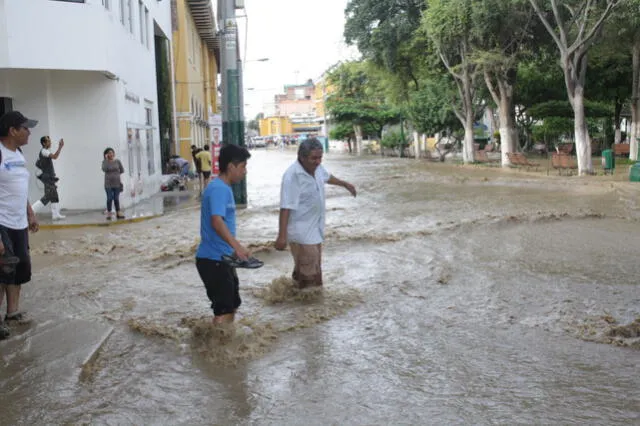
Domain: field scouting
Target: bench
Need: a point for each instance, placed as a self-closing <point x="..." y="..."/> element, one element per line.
<point x="621" y="149"/>
<point x="561" y="161"/>
<point x="517" y="159"/>
<point x="482" y="157"/>
<point x="565" y="148"/>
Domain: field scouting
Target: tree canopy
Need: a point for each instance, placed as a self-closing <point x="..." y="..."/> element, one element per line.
<point x="435" y="61"/>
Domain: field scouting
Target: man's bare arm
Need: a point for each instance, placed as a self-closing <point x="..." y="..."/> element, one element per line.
<point x="283" y="221"/>
<point x="221" y="229"/>
<point x="346" y="185"/>
<point x="57" y="153"/>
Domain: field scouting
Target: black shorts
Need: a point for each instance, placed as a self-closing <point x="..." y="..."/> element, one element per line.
<point x="50" y="193"/>
<point x="16" y="243"/>
<point x="221" y="282"/>
<point x="206" y="175"/>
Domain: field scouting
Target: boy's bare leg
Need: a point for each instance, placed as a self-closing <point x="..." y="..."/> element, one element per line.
<point x="13" y="298"/>
<point x="223" y="319"/>
<point x="3" y="289"/>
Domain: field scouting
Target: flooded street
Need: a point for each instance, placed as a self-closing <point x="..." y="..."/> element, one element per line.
<point x="453" y="295"/>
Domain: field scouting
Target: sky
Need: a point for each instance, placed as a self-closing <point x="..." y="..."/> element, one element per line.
<point x="301" y="38"/>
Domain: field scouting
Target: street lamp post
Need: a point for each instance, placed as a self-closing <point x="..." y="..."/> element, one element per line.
<point x="232" y="103"/>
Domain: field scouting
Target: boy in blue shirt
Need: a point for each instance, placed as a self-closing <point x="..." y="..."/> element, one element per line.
<point x="218" y="235"/>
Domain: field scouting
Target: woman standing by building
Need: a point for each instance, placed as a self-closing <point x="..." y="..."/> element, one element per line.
<point x="112" y="168"/>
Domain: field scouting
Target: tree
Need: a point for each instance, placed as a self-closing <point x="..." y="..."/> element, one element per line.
<point x="609" y="76"/>
<point x="628" y="35"/>
<point x="343" y="132"/>
<point x="357" y="100"/>
<point x="253" y="125"/>
<point x="382" y="31"/>
<point x="502" y="30"/>
<point x="574" y="30"/>
<point x="431" y="108"/>
<point x="448" y="24"/>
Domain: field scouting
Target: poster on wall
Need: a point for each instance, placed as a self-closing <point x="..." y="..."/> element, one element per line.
<point x="215" y="122"/>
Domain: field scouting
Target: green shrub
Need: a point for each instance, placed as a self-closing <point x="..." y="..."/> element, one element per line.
<point x="393" y="139"/>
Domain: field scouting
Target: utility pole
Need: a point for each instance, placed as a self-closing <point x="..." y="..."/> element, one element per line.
<point x="232" y="99"/>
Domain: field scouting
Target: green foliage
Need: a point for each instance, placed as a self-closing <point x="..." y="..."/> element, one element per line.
<point x="553" y="129"/>
<point x="431" y="109"/>
<point x="253" y="125"/>
<point x="563" y="109"/>
<point x="540" y="80"/>
<point x="382" y="30"/>
<point x="342" y="132"/>
<point x="393" y="139"/>
<point x="402" y="74"/>
<point x="357" y="100"/>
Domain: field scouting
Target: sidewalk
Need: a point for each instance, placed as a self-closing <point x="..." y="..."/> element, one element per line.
<point x="155" y="206"/>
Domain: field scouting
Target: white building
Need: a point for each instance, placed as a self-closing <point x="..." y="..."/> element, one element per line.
<point x="86" y="69"/>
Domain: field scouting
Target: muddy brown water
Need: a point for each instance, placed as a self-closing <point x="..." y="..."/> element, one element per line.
<point x="454" y="295"/>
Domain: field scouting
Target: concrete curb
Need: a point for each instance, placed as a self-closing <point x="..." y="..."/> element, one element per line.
<point x="106" y="223"/>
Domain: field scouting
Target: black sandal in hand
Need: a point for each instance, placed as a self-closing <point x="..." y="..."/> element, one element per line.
<point x="8" y="263"/>
<point x="250" y="263"/>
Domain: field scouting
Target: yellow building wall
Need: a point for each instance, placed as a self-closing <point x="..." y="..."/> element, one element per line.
<point x="271" y="126"/>
<point x="195" y="82"/>
<point x="322" y="90"/>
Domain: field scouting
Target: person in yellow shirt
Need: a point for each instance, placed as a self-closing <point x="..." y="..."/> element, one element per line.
<point x="205" y="163"/>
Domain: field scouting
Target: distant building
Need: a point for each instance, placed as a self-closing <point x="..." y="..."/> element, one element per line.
<point x="86" y="70"/>
<point x="294" y="112"/>
<point x="195" y="49"/>
<point x="275" y="126"/>
<point x="323" y="89"/>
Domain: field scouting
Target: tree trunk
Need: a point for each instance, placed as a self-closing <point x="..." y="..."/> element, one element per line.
<point x="635" y="102"/>
<point x="502" y="94"/>
<point x="508" y="132"/>
<point x="617" y="138"/>
<point x="467" y="146"/>
<point x="583" y="142"/>
<point x="416" y="145"/>
<point x="357" y="129"/>
<point x="494" y="122"/>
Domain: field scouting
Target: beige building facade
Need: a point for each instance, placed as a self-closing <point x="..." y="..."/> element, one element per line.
<point x="195" y="59"/>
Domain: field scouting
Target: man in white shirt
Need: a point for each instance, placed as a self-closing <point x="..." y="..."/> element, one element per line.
<point x="48" y="178"/>
<point x="302" y="212"/>
<point x="16" y="215"/>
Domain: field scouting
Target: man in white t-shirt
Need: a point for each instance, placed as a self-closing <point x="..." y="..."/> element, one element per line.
<point x="302" y="212"/>
<point x="16" y="215"/>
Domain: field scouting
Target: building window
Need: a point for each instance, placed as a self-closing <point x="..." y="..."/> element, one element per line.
<point x="148" y="116"/>
<point x="130" y="150"/>
<point x="122" y="12"/>
<point x="141" y="19"/>
<point x="138" y="152"/>
<point x="194" y="41"/>
<point x="151" y="164"/>
<point x="146" y="27"/>
<point x="150" y="153"/>
<point x="130" y="15"/>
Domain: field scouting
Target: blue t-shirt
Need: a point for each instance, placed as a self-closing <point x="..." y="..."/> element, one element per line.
<point x="217" y="200"/>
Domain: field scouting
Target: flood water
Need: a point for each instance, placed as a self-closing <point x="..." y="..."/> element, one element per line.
<point x="453" y="295"/>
